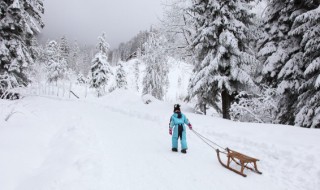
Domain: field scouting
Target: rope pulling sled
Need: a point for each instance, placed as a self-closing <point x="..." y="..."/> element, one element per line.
<point x="232" y="156"/>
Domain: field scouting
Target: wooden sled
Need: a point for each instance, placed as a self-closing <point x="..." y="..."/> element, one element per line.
<point x="240" y="159"/>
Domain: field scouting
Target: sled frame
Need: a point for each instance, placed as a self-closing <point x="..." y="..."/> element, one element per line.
<point x="241" y="160"/>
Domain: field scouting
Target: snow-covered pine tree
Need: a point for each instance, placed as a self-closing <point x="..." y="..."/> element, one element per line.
<point x="137" y="73"/>
<point x="55" y="63"/>
<point x="74" y="57"/>
<point x="35" y="49"/>
<point x="307" y="26"/>
<point x="20" y="21"/>
<point x="156" y="79"/>
<point x="100" y="69"/>
<point x="64" y="48"/>
<point x="281" y="54"/>
<point x="222" y="52"/>
<point x="36" y="68"/>
<point x="131" y="49"/>
<point x="84" y="61"/>
<point x="121" y="77"/>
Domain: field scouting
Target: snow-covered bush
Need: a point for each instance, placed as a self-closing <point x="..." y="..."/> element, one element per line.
<point x="148" y="99"/>
<point x="81" y="79"/>
<point x="7" y="83"/>
<point x="257" y="107"/>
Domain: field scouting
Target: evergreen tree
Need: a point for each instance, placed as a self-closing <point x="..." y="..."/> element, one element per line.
<point x="84" y="62"/>
<point x="307" y="26"/>
<point x="282" y="55"/>
<point x="33" y="69"/>
<point x="100" y="69"/>
<point x="121" y="79"/>
<point x="131" y="49"/>
<point x="55" y="63"/>
<point x="64" y="48"/>
<point x="222" y="52"/>
<point x="137" y="73"/>
<point x="20" y="21"/>
<point x="74" y="57"/>
<point x="35" y="49"/>
<point x="156" y="78"/>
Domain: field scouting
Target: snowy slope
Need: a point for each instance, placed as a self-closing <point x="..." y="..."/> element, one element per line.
<point x="179" y="76"/>
<point x="117" y="142"/>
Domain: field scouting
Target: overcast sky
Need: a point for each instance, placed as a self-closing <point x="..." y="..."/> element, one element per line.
<point x="85" y="20"/>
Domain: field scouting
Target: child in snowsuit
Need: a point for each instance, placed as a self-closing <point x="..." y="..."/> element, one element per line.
<point x="177" y="123"/>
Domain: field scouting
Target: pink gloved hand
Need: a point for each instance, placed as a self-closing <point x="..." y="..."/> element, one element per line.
<point x="190" y="126"/>
<point x="170" y="131"/>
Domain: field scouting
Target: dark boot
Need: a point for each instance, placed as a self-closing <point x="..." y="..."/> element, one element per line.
<point x="184" y="151"/>
<point x="174" y="150"/>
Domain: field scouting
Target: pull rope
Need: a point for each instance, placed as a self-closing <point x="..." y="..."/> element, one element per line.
<point x="208" y="141"/>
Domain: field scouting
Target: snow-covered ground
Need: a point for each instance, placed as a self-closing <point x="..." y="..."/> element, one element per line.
<point x="118" y="142"/>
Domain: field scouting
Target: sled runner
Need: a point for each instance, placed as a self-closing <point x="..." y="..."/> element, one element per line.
<point x="233" y="156"/>
<point x="240" y="159"/>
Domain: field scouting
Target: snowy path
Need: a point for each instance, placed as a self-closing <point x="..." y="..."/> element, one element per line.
<point x="120" y="143"/>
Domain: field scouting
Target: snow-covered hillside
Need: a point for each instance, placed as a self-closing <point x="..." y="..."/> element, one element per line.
<point x="118" y="142"/>
<point x="179" y="76"/>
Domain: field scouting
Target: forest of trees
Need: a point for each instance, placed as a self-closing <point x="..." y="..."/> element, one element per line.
<point x="260" y="69"/>
<point x="247" y="67"/>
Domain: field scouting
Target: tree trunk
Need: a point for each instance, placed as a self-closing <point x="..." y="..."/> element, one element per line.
<point x="226" y="103"/>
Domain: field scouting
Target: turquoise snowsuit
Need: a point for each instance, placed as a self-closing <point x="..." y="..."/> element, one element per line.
<point x="174" y="123"/>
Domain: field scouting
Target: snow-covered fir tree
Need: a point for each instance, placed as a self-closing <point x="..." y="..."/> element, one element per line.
<point x="276" y="46"/>
<point x="155" y="81"/>
<point x="121" y="77"/>
<point x="137" y="73"/>
<point x="307" y="26"/>
<point x="74" y="57"/>
<point x="223" y="55"/>
<point x="131" y="49"/>
<point x="55" y="63"/>
<point x="100" y="69"/>
<point x="33" y="69"/>
<point x="20" y="21"/>
<point x="35" y="49"/>
<point x="84" y="60"/>
<point x="64" y="48"/>
<point x="281" y="54"/>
